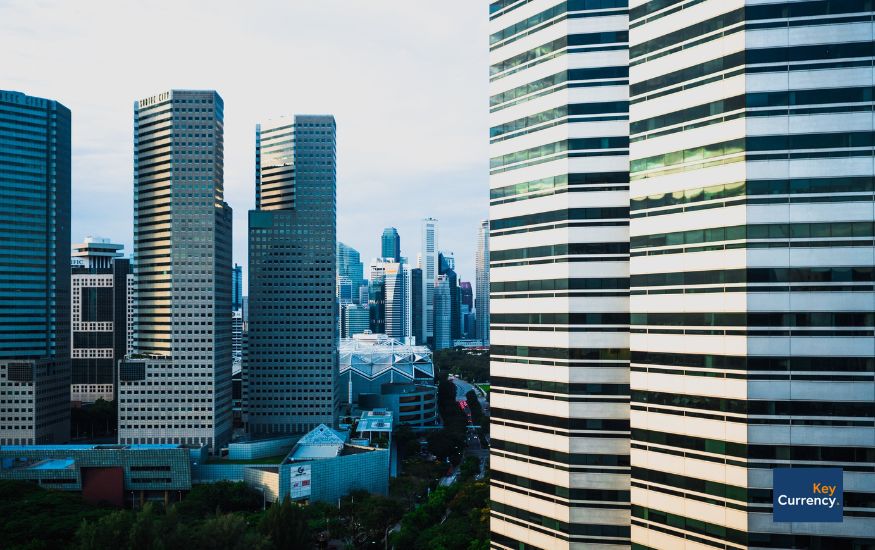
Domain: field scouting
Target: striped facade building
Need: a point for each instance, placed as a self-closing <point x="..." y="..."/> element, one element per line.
<point x="559" y="274"/>
<point x="751" y="267"/>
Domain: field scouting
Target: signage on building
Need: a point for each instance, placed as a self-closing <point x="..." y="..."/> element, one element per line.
<point x="807" y="494"/>
<point x="300" y="482"/>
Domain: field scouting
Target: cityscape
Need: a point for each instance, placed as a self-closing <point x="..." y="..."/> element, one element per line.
<point x="621" y="295"/>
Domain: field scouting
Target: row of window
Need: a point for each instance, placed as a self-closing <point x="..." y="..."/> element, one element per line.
<point x="608" y="495"/>
<point x="848" y="184"/>
<point x="750" y="319"/>
<point x="560" y="387"/>
<point x="560" y="250"/>
<point x="558" y="182"/>
<point x="560" y="318"/>
<point x="574" y="144"/>
<point x="603" y="213"/>
<point x="580" y="459"/>
<point x="756" y="407"/>
<point x="757" y="231"/>
<point x="572" y="75"/>
<point x="756" y="363"/>
<point x="567" y="41"/>
<point x="596" y="424"/>
<point x="757" y="275"/>
<point x="591" y="283"/>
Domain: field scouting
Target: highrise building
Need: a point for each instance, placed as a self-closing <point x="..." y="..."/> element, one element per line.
<point x="752" y="266"/>
<point x="237" y="287"/>
<point x="481" y="301"/>
<point x="558" y="251"/>
<point x="466" y="293"/>
<point x="35" y="270"/>
<point x="290" y="383"/>
<point x="377" y="297"/>
<point x="396" y="301"/>
<point x="99" y="318"/>
<point x="428" y="262"/>
<point x="443" y="313"/>
<point x="237" y="330"/>
<point x="416" y="309"/>
<point x="355" y="319"/>
<point x="176" y="388"/>
<point x="349" y="264"/>
<point x="346" y="292"/>
<point x="447" y="266"/>
<point x="390" y="244"/>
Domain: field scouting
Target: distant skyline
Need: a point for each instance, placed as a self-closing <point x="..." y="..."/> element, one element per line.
<point x="406" y="83"/>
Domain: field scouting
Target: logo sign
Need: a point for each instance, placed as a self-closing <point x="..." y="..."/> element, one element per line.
<point x="807" y="494"/>
<point x="300" y="482"/>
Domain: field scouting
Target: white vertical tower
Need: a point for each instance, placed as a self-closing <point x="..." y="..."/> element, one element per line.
<point x="481" y="301"/>
<point x="429" y="264"/>
<point x="558" y="253"/>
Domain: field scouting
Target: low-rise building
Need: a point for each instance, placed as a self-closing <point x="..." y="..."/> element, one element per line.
<point x="115" y="474"/>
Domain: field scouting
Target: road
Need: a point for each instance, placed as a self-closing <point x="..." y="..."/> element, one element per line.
<point x="462" y="389"/>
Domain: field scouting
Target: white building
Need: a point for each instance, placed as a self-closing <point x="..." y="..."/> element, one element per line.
<point x="428" y="262"/>
<point x="481" y="298"/>
<point x="558" y="251"/>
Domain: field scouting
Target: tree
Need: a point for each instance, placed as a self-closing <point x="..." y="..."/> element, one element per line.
<point x="286" y="526"/>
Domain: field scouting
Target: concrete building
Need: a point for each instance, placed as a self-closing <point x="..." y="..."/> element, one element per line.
<point x="751" y="271"/>
<point x="390" y="244"/>
<point x="176" y="387"/>
<point x="292" y="329"/>
<point x="481" y="300"/>
<point x="558" y="254"/>
<point x="35" y="270"/>
<point x="121" y="475"/>
<point x="100" y="315"/>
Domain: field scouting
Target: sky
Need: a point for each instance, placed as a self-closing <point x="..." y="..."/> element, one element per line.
<point x="405" y="79"/>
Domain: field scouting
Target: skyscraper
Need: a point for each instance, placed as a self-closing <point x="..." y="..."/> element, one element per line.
<point x="446" y="266"/>
<point x="35" y="269"/>
<point x="391" y="244"/>
<point x="416" y="309"/>
<point x="429" y="266"/>
<point x="349" y="263"/>
<point x="292" y="338"/>
<point x="752" y="266"/>
<point x="99" y="318"/>
<point x="177" y="387"/>
<point x="466" y="293"/>
<point x="443" y="313"/>
<point x="558" y="254"/>
<point x="237" y="287"/>
<point x="481" y="300"/>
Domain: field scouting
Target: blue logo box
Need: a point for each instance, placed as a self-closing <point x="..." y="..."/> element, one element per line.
<point x="807" y="495"/>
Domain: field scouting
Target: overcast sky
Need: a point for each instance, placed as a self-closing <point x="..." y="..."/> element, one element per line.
<point x="405" y="79"/>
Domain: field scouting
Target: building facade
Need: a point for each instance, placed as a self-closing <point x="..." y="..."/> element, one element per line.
<point x="751" y="269"/>
<point x="443" y="313"/>
<point x="390" y="244"/>
<point x="416" y="306"/>
<point x="558" y="255"/>
<point x="292" y="331"/>
<point x="176" y="387"/>
<point x="429" y="265"/>
<point x="35" y="269"/>
<point x="99" y="318"/>
<point x="355" y="319"/>
<point x="349" y="265"/>
<point x="481" y="299"/>
<point x="237" y="287"/>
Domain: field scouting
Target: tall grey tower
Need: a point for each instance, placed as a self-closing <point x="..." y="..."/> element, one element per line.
<point x="291" y="371"/>
<point x="752" y="268"/>
<point x="559" y="253"/>
<point x="34" y="269"/>
<point x="481" y="301"/>
<point x="429" y="266"/>
<point x="177" y="387"/>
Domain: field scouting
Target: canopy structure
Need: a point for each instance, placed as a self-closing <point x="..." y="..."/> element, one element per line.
<point x="373" y="356"/>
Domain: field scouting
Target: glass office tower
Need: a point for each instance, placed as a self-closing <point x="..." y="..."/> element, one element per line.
<point x="291" y="370"/>
<point x="752" y="267"/>
<point x="35" y="270"/>
<point x="558" y="255"/>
